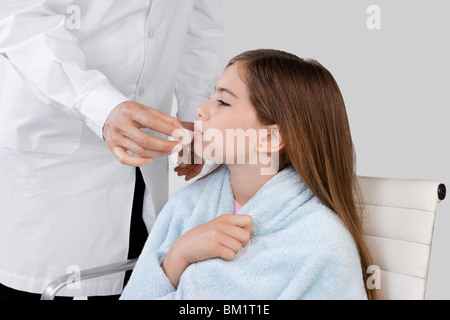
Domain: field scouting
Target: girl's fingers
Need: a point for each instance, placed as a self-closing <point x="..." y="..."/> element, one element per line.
<point x="230" y="243"/>
<point x="243" y="221"/>
<point x="240" y="234"/>
<point x="190" y="169"/>
<point x="183" y="171"/>
<point x="196" y="170"/>
<point x="236" y="227"/>
<point x="226" y="253"/>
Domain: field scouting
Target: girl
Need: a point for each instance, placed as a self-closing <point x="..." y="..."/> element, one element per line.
<point x="280" y="229"/>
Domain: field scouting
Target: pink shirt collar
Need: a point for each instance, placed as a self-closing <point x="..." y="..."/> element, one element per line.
<point x="237" y="206"/>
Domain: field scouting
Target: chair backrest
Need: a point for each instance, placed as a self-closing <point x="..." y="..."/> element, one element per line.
<point x="398" y="220"/>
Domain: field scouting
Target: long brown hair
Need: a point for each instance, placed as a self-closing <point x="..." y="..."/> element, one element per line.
<point x="303" y="99"/>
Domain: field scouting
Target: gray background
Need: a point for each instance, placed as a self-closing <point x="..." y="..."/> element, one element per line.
<point x="395" y="82"/>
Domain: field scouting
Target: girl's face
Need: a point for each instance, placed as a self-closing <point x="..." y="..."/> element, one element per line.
<point x="227" y="129"/>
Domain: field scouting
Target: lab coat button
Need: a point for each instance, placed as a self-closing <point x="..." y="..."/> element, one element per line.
<point x="141" y="91"/>
<point x="151" y="34"/>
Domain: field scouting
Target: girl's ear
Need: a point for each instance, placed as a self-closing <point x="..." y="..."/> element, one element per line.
<point x="270" y="140"/>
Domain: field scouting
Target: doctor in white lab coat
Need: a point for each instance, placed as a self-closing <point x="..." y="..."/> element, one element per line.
<point x="78" y="79"/>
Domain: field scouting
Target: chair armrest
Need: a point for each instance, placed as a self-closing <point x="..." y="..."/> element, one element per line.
<point x="59" y="283"/>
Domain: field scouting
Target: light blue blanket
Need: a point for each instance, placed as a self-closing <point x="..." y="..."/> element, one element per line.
<point x="299" y="249"/>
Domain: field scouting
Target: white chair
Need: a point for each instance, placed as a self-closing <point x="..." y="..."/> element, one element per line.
<point x="398" y="220"/>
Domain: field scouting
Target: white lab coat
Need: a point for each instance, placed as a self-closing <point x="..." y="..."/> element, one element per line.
<point x="65" y="201"/>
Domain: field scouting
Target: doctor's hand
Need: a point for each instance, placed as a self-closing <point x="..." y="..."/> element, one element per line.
<point x="122" y="132"/>
<point x="221" y="237"/>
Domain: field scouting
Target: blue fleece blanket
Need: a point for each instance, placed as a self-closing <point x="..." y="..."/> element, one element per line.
<point x="299" y="249"/>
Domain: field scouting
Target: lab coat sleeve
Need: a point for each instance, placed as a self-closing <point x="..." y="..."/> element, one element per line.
<point x="48" y="57"/>
<point x="203" y="59"/>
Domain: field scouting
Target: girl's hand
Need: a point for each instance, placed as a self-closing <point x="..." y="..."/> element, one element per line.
<point x="194" y="164"/>
<point x="221" y="237"/>
<point x="193" y="168"/>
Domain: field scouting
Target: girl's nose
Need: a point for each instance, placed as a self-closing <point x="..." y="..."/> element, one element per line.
<point x="202" y="111"/>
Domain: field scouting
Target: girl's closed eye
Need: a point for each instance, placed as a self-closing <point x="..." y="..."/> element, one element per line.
<point x="223" y="103"/>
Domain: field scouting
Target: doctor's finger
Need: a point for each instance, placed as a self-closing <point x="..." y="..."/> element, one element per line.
<point x="169" y="119"/>
<point x="130" y="145"/>
<point x="151" y="143"/>
<point x="122" y="155"/>
<point x="157" y="121"/>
